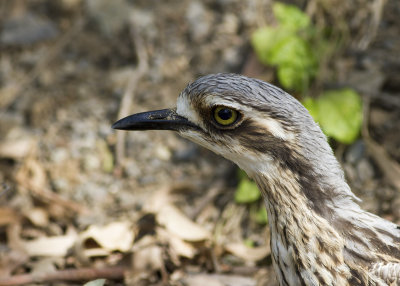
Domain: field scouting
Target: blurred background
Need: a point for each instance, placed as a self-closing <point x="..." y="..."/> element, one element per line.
<point x="80" y="201"/>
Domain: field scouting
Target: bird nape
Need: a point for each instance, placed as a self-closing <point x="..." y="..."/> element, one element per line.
<point x="319" y="234"/>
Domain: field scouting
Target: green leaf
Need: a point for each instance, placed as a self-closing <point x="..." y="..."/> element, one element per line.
<point x="288" y="49"/>
<point x="247" y="192"/>
<point x="340" y="114"/>
<point x="296" y="63"/>
<point x="262" y="216"/>
<point x="292" y="50"/>
<point x="290" y="16"/>
<point x="292" y="77"/>
<point x="263" y="41"/>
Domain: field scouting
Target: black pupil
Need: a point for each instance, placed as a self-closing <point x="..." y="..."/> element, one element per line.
<point x="225" y="114"/>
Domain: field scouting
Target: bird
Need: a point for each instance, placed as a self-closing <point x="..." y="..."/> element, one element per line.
<point x="319" y="233"/>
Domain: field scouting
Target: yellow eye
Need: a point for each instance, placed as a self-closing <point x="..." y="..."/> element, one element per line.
<point x="225" y="116"/>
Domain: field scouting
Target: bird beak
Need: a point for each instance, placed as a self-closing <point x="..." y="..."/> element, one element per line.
<point x="164" y="119"/>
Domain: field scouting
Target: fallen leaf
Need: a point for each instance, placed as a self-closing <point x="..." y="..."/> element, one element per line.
<point x="8" y="216"/>
<point x="16" y="148"/>
<point x="248" y="253"/>
<point x="49" y="246"/>
<point x="32" y="175"/>
<point x="148" y="258"/>
<point x="38" y="216"/>
<point x="178" y="246"/>
<point x="116" y="236"/>
<point x="179" y="224"/>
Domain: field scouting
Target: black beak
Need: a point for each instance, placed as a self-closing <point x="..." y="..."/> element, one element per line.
<point x="165" y="119"/>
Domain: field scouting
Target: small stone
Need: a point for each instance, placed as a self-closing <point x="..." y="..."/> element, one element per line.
<point x="70" y="4"/>
<point x="189" y="153"/>
<point x="92" y="162"/>
<point x="59" y="155"/>
<point x="8" y="121"/>
<point x="163" y="153"/>
<point x="132" y="169"/>
<point x="111" y="16"/>
<point x="365" y="170"/>
<point x="199" y="21"/>
<point x="27" y="29"/>
<point x="355" y="152"/>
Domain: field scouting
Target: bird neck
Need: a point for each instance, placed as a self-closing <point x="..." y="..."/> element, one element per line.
<point x="303" y="240"/>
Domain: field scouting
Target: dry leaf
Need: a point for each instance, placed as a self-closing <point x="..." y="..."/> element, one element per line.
<point x="49" y="246"/>
<point x="148" y="258"/>
<point x="32" y="175"/>
<point x="8" y="94"/>
<point x="10" y="260"/>
<point x="8" y="216"/>
<point x="179" y="224"/>
<point x="16" y="148"/>
<point x="248" y="253"/>
<point x="116" y="236"/>
<point x="178" y="246"/>
<point x="38" y="216"/>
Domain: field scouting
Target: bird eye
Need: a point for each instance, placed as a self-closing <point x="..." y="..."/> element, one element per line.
<point x="225" y="116"/>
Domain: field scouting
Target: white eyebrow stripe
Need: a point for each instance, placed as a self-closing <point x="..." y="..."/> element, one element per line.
<point x="275" y="128"/>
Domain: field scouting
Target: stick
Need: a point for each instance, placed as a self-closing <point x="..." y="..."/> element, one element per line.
<point x="389" y="167"/>
<point x="83" y="274"/>
<point x="127" y="98"/>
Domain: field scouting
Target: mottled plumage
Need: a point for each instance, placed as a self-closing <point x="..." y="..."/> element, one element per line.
<point x="319" y="234"/>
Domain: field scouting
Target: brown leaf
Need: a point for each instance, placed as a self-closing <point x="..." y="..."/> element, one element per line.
<point x="116" y="236"/>
<point x="16" y="148"/>
<point x="49" y="246"/>
<point x="248" y="253"/>
<point x="180" y="225"/>
<point x="8" y="216"/>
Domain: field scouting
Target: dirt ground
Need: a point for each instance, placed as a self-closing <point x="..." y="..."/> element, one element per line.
<point x="80" y="201"/>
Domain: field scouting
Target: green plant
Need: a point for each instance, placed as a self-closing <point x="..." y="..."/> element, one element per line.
<point x="288" y="47"/>
<point x="295" y="47"/>
<point x="247" y="193"/>
<point x="339" y="113"/>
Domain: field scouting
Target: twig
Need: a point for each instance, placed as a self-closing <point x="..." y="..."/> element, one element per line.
<point x="45" y="194"/>
<point x="389" y="167"/>
<point x="376" y="9"/>
<point x="205" y="200"/>
<point x="127" y="98"/>
<point x="390" y="100"/>
<point x="83" y="274"/>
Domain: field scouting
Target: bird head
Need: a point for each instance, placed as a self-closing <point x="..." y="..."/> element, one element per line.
<point x="261" y="128"/>
<point x="250" y="122"/>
